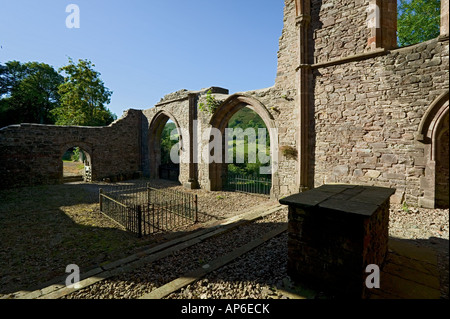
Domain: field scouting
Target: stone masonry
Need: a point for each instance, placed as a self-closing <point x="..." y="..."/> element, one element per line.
<point x="353" y="107"/>
<point x="335" y="232"/>
<point x="31" y="154"/>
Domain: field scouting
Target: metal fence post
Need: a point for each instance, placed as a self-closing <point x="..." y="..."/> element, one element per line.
<point x="196" y="208"/>
<point x="100" y="199"/>
<point x="139" y="220"/>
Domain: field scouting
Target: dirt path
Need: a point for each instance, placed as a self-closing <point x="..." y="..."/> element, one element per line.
<point x="73" y="169"/>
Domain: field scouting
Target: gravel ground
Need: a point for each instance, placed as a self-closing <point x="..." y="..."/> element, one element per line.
<point x="146" y="279"/>
<point x="46" y="228"/>
<point x="255" y="275"/>
<point x="259" y="273"/>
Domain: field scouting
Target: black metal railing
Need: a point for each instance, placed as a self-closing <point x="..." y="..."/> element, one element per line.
<point x="253" y="184"/>
<point x="145" y="210"/>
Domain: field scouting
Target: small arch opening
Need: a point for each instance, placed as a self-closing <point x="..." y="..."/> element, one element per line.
<point x="77" y="165"/>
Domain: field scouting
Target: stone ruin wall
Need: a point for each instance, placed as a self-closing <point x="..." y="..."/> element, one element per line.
<point x="339" y="29"/>
<point x="277" y="101"/>
<point x="367" y="114"/>
<point x="365" y="106"/>
<point x="31" y="154"/>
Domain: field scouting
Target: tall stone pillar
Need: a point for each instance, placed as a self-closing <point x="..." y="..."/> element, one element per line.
<point x="444" y="18"/>
<point x="303" y="20"/>
<point x="193" y="142"/>
<point x="382" y="22"/>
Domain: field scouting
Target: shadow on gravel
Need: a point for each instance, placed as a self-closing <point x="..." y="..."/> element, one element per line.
<point x="422" y="266"/>
<point x="202" y="255"/>
<point x="414" y="269"/>
<point x="43" y="229"/>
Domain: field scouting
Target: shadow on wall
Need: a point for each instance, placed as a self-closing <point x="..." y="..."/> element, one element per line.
<point x="315" y="74"/>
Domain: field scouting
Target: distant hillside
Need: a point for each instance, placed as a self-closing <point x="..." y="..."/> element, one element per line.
<point x="246" y="118"/>
<point x="170" y="126"/>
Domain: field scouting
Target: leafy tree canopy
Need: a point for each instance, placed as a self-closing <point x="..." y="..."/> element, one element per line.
<point x="28" y="92"/>
<point x="418" y="21"/>
<point x="168" y="141"/>
<point x="83" y="97"/>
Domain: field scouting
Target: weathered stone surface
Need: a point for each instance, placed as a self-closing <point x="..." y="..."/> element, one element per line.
<point x="365" y="109"/>
<point x="334" y="237"/>
<point x="31" y="154"/>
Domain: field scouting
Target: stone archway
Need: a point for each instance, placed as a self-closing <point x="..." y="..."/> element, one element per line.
<point x="86" y="150"/>
<point x="434" y="134"/>
<point x="219" y="121"/>
<point x="156" y="128"/>
<point x="442" y="163"/>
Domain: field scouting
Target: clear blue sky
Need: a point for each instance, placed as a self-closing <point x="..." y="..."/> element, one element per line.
<point x="145" y="49"/>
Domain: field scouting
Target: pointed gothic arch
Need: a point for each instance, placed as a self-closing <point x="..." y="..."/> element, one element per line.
<point x="433" y="133"/>
<point x="156" y="128"/>
<point x="220" y="120"/>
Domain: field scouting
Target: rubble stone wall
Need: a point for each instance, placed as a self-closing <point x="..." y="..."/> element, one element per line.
<point x="31" y="154"/>
<point x="368" y="112"/>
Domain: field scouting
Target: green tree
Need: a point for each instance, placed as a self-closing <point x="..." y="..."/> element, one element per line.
<point x="418" y="21"/>
<point x="28" y="93"/>
<point x="244" y="119"/>
<point x="83" y="97"/>
<point x="168" y="141"/>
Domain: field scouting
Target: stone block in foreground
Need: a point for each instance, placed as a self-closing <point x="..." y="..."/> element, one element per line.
<point x="335" y="231"/>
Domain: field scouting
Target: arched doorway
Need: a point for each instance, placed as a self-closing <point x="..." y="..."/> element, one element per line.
<point x="442" y="163"/>
<point x="76" y="163"/>
<point x="434" y="134"/>
<point x="218" y="166"/>
<point x="165" y="147"/>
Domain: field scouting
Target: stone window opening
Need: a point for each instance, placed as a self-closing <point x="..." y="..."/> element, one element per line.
<point x="384" y="19"/>
<point x="428" y="18"/>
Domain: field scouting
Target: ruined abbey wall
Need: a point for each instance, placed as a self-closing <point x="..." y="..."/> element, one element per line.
<point x="367" y="115"/>
<point x="353" y="108"/>
<point x="339" y="28"/>
<point x="368" y="102"/>
<point x="31" y="154"/>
